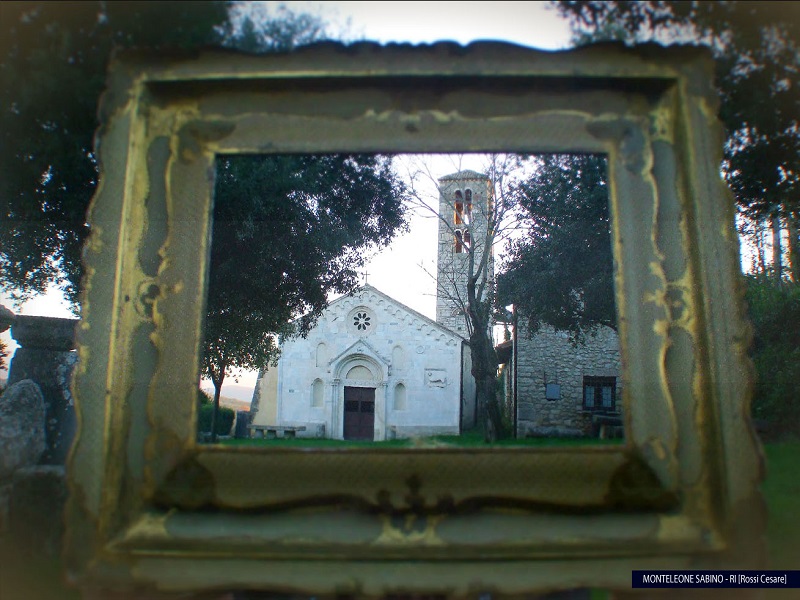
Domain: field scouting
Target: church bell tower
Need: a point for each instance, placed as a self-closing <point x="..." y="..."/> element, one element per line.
<point x="465" y="206"/>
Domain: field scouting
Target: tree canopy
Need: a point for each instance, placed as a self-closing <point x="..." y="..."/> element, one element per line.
<point x="53" y="60"/>
<point x="560" y="272"/>
<point x="757" y="50"/>
<point x="288" y="231"/>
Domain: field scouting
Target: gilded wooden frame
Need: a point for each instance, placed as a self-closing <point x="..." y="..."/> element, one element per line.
<point x="151" y="508"/>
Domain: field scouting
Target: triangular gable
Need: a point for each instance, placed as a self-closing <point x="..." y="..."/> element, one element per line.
<point x="361" y="346"/>
<point x="426" y="320"/>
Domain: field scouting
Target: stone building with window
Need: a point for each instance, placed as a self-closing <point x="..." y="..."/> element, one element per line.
<point x="557" y="388"/>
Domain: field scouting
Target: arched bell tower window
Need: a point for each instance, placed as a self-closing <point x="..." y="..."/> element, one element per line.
<point x="462" y="241"/>
<point x="462" y="208"/>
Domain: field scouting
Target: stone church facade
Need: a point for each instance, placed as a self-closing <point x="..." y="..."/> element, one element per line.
<point x="370" y="369"/>
<point x="373" y="369"/>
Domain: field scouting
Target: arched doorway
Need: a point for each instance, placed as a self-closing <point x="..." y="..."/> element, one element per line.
<point x="359" y="413"/>
<point x="360" y="377"/>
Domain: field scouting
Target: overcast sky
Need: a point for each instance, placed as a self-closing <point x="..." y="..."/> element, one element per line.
<point x="397" y="270"/>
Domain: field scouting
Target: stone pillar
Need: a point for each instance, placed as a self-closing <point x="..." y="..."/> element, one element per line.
<point x="46" y="355"/>
<point x="381" y="410"/>
<point x="335" y="419"/>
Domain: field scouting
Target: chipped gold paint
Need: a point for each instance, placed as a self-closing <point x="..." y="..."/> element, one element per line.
<point x="662" y="124"/>
<point x="681" y="506"/>
<point x="406" y="535"/>
<point x="659" y="297"/>
<point x="673" y="527"/>
<point x="148" y="526"/>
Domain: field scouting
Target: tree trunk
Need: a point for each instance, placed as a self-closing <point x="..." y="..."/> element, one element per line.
<point x="484" y="361"/>
<point x="777" y="262"/>
<point x="485" y="375"/>
<point x="214" y="414"/>
<point x="793" y="246"/>
<point x="484" y="370"/>
<point x="760" y="246"/>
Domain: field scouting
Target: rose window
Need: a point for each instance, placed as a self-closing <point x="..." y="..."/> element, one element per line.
<point x="361" y="321"/>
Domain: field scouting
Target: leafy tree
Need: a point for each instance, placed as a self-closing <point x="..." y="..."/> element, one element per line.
<point x="260" y="28"/>
<point x="288" y="231"/>
<point x="560" y="272"/>
<point x="205" y="415"/>
<point x="53" y="60"/>
<point x="757" y="51"/>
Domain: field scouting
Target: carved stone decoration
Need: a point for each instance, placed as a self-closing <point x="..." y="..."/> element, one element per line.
<point x="150" y="509"/>
<point x="362" y="321"/>
<point x="436" y="378"/>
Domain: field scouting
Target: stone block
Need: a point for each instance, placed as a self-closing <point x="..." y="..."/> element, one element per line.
<point x="47" y="333"/>
<point x="52" y="371"/>
<point x="22" y="427"/>
<point x="36" y="507"/>
<point x="242" y="421"/>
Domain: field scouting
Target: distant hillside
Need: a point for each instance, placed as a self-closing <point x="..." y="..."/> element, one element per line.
<point x="234" y="403"/>
<point x="240" y="392"/>
<point x="237" y="397"/>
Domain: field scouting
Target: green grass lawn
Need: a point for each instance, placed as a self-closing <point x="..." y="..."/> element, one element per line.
<point x="467" y="440"/>
<point x="39" y="578"/>
<point x="782" y="493"/>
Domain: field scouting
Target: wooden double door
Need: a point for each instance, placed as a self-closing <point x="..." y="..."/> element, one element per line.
<point x="359" y="413"/>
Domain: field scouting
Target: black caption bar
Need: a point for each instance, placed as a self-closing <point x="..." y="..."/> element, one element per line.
<point x="715" y="579"/>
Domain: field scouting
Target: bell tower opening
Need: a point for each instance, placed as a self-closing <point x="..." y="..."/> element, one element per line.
<point x="465" y="213"/>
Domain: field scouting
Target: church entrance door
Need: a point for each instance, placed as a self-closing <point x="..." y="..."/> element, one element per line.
<point x="359" y="413"/>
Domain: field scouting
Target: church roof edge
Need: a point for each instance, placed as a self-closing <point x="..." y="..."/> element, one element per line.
<point x="466" y="174"/>
<point x="372" y="288"/>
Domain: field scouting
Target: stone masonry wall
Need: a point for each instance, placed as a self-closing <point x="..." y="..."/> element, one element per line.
<point x="452" y="267"/>
<point x="550" y="357"/>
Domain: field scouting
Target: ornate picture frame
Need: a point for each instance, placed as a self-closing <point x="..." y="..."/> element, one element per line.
<point x="150" y="507"/>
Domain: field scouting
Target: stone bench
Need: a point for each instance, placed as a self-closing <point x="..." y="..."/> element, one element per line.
<point x="608" y="426"/>
<point x="271" y="431"/>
